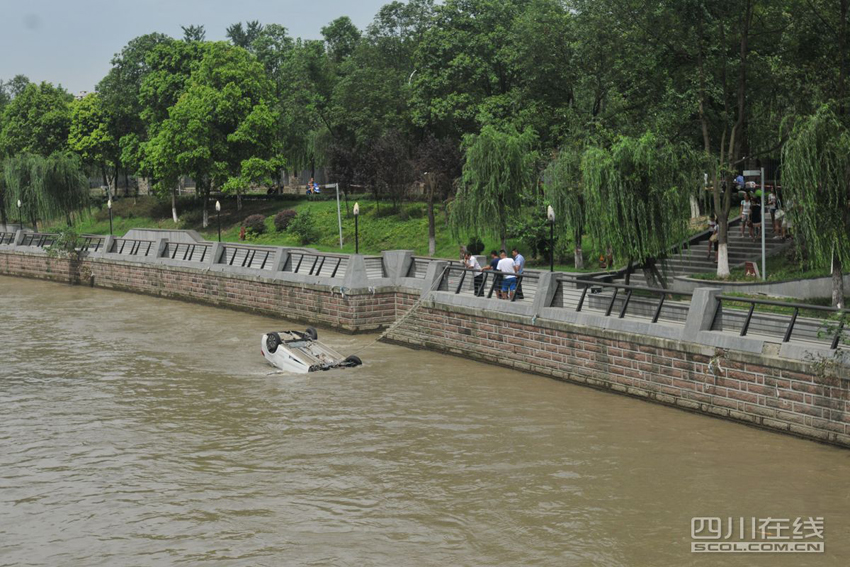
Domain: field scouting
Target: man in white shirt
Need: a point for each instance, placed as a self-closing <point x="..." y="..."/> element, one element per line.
<point x="471" y="263"/>
<point x="508" y="267"/>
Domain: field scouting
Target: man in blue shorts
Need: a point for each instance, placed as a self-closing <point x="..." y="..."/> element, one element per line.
<point x="508" y="268"/>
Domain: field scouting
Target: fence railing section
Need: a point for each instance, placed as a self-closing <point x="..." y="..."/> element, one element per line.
<point x="419" y="266"/>
<point x="186" y="252"/>
<point x="619" y="300"/>
<point x="91" y="242"/>
<point x="248" y="257"/>
<point x="487" y="283"/>
<point x="132" y="247"/>
<point x="7" y="238"/>
<point x="748" y="317"/>
<point x="38" y="239"/>
<point x="323" y="265"/>
<point x="375" y="267"/>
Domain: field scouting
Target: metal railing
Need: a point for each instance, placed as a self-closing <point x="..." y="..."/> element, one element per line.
<point x="419" y="266"/>
<point x="484" y="283"/>
<point x="248" y="257"/>
<point x="747" y="320"/>
<point x="188" y="252"/>
<point x="131" y="247"/>
<point x="323" y="265"/>
<point x="38" y="239"/>
<point x="655" y="304"/>
<point x="91" y="242"/>
<point x="375" y="267"/>
<point x="7" y="238"/>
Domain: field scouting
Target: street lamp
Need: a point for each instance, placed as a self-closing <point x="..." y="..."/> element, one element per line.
<point x="550" y="214"/>
<point x="109" y="206"/>
<point x="356" y="228"/>
<point x="20" y="220"/>
<point x="218" y="216"/>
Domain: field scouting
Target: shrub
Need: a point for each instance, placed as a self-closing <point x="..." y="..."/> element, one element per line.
<point x="304" y="226"/>
<point x="475" y="246"/>
<point x="383" y="212"/>
<point x="255" y="224"/>
<point x="414" y="211"/>
<point x="283" y="218"/>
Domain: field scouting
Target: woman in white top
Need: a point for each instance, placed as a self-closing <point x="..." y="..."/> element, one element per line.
<point x="746" y="207"/>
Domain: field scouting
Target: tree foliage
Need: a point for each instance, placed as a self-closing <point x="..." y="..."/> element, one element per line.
<point x="497" y="174"/>
<point x="636" y="194"/>
<point x="816" y="172"/>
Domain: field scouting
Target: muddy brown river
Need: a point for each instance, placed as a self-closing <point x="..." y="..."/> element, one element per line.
<point x="143" y="431"/>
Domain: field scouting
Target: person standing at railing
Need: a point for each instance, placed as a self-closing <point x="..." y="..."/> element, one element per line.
<point x="508" y="268"/>
<point x="494" y="267"/>
<point x="471" y="263"/>
<point x="519" y="260"/>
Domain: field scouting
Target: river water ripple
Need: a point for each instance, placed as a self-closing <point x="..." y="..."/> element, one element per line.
<point x="141" y="431"/>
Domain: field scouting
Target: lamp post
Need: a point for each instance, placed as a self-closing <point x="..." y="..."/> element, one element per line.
<point x="550" y="214"/>
<point x="356" y="228"/>
<point x="218" y="217"/>
<point x="20" y="219"/>
<point x="109" y="206"/>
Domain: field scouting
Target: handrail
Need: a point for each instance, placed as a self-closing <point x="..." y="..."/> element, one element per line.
<point x="7" y="235"/>
<point x="251" y="253"/>
<point x="794" y="315"/>
<point x="38" y="239"/>
<point x="89" y="240"/>
<point x="314" y="263"/>
<point x="586" y="285"/>
<point x="136" y="245"/>
<point x="188" y="248"/>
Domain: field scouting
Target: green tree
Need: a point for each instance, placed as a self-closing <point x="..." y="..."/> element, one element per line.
<point x="223" y="121"/>
<point x="89" y="134"/>
<point x="169" y="65"/>
<point x="193" y="34"/>
<point x="122" y="107"/>
<point x="565" y="192"/>
<point x="48" y="187"/>
<point x="342" y="37"/>
<point x="36" y="121"/>
<point x="465" y="74"/>
<point x="499" y="171"/>
<point x="636" y="197"/>
<point x="816" y="179"/>
<point x="245" y="37"/>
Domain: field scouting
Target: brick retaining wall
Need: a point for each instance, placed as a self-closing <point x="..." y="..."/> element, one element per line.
<point x="307" y="303"/>
<point x="755" y="389"/>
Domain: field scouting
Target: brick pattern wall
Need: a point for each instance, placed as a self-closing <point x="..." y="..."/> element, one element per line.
<point x="292" y="301"/>
<point x="752" y="389"/>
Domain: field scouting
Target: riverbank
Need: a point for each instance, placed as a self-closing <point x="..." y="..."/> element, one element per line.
<point x="689" y="354"/>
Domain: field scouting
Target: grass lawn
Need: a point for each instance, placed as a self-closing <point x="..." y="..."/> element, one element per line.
<point x="380" y="227"/>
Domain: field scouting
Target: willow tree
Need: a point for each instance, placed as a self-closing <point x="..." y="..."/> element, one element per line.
<point x="497" y="173"/>
<point x="22" y="174"/>
<point x="637" y="198"/>
<point x="65" y="186"/>
<point x="816" y="180"/>
<point x="562" y="180"/>
<point x="47" y="187"/>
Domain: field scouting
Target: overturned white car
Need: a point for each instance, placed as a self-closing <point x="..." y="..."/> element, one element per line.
<point x="301" y="352"/>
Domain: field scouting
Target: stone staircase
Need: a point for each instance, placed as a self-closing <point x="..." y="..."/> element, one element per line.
<point x="694" y="259"/>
